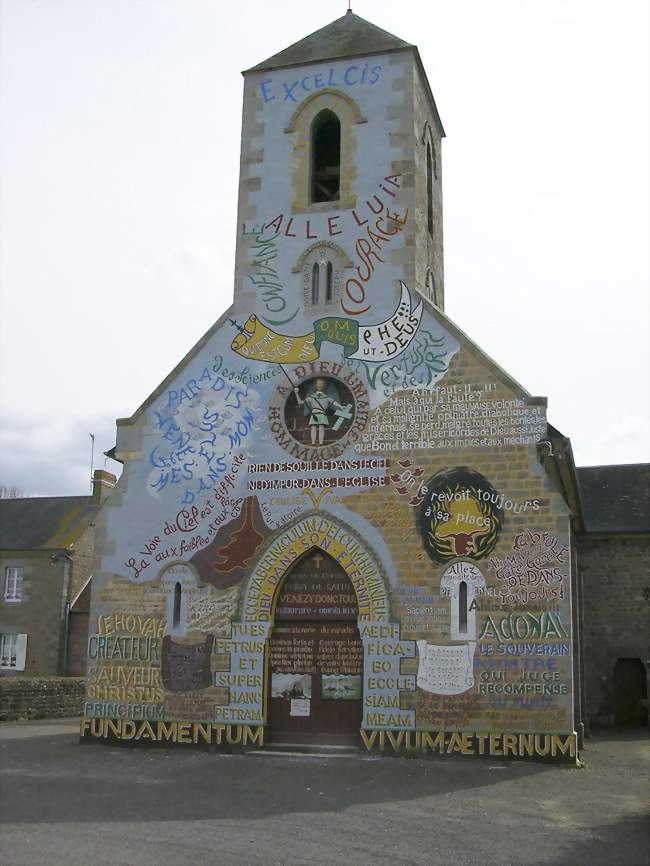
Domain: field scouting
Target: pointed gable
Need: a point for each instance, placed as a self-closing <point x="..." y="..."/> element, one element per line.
<point x="348" y="36"/>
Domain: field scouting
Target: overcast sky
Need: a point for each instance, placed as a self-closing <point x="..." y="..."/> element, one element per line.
<point x="118" y="168"/>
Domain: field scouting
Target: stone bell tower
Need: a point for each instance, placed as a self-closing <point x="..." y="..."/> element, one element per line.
<point x="340" y="193"/>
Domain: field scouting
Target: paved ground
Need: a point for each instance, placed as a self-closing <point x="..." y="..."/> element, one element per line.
<point x="73" y="805"/>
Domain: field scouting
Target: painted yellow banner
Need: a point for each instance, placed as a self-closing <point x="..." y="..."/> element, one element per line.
<point x="258" y="342"/>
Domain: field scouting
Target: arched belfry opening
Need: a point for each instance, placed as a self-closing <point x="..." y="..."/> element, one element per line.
<point x="315" y="655"/>
<point x="325" y="157"/>
<point x="323" y="150"/>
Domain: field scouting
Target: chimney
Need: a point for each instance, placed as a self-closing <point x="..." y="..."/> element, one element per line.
<point x="103" y="483"/>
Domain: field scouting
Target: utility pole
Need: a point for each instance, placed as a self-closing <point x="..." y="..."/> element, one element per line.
<point x="92" y="458"/>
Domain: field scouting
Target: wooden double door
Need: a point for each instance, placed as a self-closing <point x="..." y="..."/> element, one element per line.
<point x="316" y="657"/>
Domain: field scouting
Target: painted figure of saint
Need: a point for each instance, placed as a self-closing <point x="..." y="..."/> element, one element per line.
<point x="317" y="403"/>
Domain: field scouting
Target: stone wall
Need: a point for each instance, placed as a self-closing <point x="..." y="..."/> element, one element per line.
<point x="82" y="551"/>
<point x="77" y="644"/>
<point x="39" y="613"/>
<point x="616" y="614"/>
<point x="40" y="698"/>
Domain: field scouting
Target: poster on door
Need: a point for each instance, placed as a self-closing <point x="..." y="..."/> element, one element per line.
<point x="291" y="686"/>
<point x="341" y="687"/>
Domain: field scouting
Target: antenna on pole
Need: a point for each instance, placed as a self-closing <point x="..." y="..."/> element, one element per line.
<point x="92" y="458"/>
<point x="349" y="6"/>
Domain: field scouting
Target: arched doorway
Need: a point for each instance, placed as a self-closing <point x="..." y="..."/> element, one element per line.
<point x="315" y="656"/>
<point x="630" y="692"/>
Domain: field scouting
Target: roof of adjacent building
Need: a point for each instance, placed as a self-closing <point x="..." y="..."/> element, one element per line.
<point x="615" y="498"/>
<point x="44" y="523"/>
<point x="348" y="36"/>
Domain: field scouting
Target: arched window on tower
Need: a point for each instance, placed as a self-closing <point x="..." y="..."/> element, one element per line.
<point x="325" y="157"/>
<point x="429" y="190"/>
<point x="462" y="607"/>
<point x="315" y="280"/>
<point x="321" y="267"/>
<point x="431" y="286"/>
<point x="178" y="594"/>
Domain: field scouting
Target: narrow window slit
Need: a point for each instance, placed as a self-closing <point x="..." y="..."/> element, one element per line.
<point x="315" y="280"/>
<point x="462" y="607"/>
<point x="429" y="190"/>
<point x="176" y="617"/>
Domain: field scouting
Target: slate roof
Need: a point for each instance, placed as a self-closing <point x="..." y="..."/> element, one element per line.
<point x="615" y="498"/>
<point x="348" y="36"/>
<point x="44" y="523"/>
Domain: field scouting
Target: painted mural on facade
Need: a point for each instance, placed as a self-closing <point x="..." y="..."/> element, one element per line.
<point x="333" y="409"/>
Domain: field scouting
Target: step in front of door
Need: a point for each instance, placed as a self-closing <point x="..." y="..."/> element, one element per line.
<point x="313" y="749"/>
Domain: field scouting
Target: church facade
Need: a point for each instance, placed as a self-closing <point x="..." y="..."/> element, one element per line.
<point x="339" y="521"/>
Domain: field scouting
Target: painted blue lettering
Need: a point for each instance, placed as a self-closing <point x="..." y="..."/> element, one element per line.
<point x="162" y="481"/>
<point x="209" y="421"/>
<point x="158" y="462"/>
<point x="162" y="422"/>
<point x="219" y="384"/>
<point x="346" y="75"/>
<point x="171" y="430"/>
<point x="331" y="79"/>
<point x="288" y="91"/>
<point x="266" y="90"/>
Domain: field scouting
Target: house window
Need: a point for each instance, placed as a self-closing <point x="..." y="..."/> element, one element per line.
<point x="13" y="584"/>
<point x="315" y="280"/>
<point x="325" y="157"/>
<point x="429" y="190"/>
<point x="13" y="648"/>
